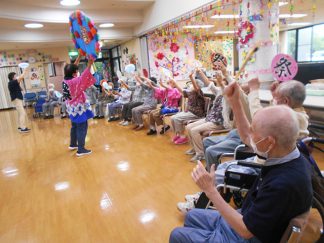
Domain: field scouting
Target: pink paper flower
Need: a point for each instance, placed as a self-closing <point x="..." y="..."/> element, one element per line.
<point x="160" y="56"/>
<point x="156" y="64"/>
<point x="174" y="47"/>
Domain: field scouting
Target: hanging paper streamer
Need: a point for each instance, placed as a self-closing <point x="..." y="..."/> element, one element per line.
<point x="84" y="34"/>
<point x="23" y="65"/>
<point x="284" y="67"/>
<point x="218" y="60"/>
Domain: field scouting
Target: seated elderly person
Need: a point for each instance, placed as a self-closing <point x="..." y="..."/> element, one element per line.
<point x="218" y="117"/>
<point x="169" y="96"/>
<point x="195" y="109"/>
<point x="52" y="100"/>
<point x="282" y="191"/>
<point x="105" y="97"/>
<point x="122" y="97"/>
<point x="149" y="101"/>
<point x="291" y="93"/>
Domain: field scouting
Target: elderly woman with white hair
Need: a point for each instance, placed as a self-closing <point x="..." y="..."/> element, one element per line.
<point x="52" y="100"/>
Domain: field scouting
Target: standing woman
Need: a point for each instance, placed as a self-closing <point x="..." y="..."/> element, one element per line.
<point x="17" y="99"/>
<point x="78" y="108"/>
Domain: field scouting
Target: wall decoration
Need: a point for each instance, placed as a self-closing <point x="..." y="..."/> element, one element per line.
<point x="284" y="67"/>
<point x="205" y="48"/>
<point x="36" y="77"/>
<point x="246" y="32"/>
<point x="173" y="54"/>
<point x="13" y="58"/>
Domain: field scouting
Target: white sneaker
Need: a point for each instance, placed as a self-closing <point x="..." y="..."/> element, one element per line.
<point x="72" y="148"/>
<point x="190" y="152"/>
<point x="185" y="207"/>
<point x="192" y="197"/>
<point x="121" y="123"/>
<point x="125" y="123"/>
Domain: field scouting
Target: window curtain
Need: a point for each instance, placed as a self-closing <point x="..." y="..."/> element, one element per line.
<point x="5" y="101"/>
<point x="144" y="53"/>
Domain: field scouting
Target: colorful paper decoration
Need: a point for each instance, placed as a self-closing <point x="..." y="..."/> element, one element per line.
<point x="84" y="34"/>
<point x="217" y="60"/>
<point x="246" y="32"/>
<point x="284" y="67"/>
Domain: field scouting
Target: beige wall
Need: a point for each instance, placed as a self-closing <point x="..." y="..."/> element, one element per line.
<point x="133" y="47"/>
<point x="58" y="54"/>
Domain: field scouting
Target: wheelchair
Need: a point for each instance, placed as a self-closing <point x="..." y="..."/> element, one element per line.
<point x="235" y="181"/>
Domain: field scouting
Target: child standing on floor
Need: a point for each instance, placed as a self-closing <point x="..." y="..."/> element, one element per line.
<point x="170" y="97"/>
<point x="78" y="108"/>
<point x="123" y="97"/>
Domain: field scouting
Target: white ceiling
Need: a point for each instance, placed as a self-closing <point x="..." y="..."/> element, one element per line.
<point x="14" y="14"/>
<point x="125" y="14"/>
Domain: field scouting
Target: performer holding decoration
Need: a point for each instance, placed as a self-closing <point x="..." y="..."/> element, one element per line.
<point x="78" y="108"/>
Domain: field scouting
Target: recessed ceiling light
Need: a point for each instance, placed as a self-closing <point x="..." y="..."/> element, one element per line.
<point x="206" y="26"/>
<point x="34" y="25"/>
<point x="225" y="16"/>
<point x="70" y="2"/>
<point x="285" y="16"/>
<point x="282" y="3"/>
<point x="299" y="24"/>
<point x="106" y="25"/>
<point x="224" y="32"/>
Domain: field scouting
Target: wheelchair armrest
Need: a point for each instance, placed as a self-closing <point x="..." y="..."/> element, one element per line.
<point x="249" y="164"/>
<point x="243" y="152"/>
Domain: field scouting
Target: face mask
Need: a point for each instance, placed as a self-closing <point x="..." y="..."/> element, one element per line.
<point x="106" y="86"/>
<point x="255" y="149"/>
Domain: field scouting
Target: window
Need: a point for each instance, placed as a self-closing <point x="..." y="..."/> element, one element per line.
<point x="304" y="45"/>
<point x="318" y="43"/>
<point x="309" y="42"/>
<point x="51" y="69"/>
<point x="291" y="45"/>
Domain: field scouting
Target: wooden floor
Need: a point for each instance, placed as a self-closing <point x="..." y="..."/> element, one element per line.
<point x="126" y="191"/>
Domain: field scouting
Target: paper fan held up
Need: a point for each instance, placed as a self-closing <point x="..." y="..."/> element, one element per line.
<point x="217" y="60"/>
<point x="84" y="35"/>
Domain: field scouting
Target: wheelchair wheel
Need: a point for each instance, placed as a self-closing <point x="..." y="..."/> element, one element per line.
<point x="238" y="198"/>
<point x="226" y="195"/>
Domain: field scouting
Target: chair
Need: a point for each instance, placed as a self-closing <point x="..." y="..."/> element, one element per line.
<point x="42" y="94"/>
<point x="295" y="229"/>
<point x="30" y="98"/>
